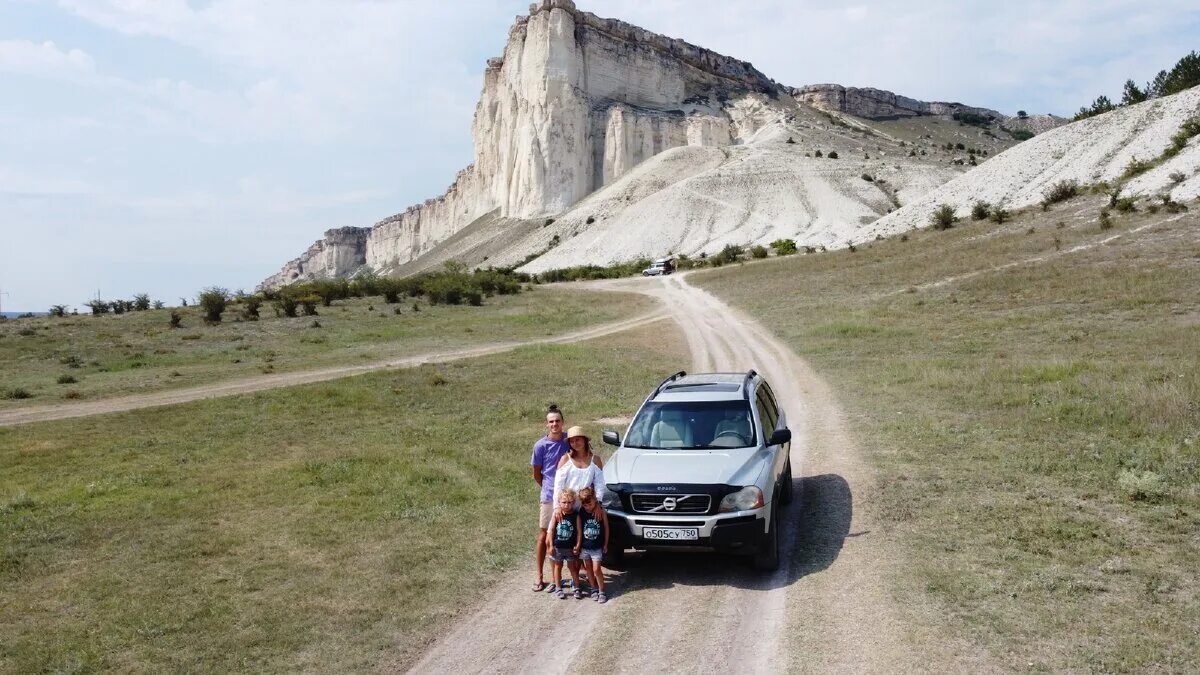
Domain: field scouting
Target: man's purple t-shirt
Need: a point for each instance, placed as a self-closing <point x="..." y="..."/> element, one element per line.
<point x="546" y="454"/>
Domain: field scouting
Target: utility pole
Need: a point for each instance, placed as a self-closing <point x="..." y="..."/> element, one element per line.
<point x="2" y="294"/>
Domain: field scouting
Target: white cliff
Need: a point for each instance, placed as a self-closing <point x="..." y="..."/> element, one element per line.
<point x="574" y="103"/>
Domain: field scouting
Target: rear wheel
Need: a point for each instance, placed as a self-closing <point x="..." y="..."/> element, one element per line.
<point x="767" y="558"/>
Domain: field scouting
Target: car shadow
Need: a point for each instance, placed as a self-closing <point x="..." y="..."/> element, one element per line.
<point x="813" y="529"/>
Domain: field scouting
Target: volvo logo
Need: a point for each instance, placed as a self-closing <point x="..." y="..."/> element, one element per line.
<point x="665" y="488"/>
<point x="669" y="503"/>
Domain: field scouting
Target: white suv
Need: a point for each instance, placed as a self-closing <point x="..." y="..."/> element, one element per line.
<point x="705" y="465"/>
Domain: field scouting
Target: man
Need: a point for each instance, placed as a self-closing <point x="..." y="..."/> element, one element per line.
<point x="546" y="454"/>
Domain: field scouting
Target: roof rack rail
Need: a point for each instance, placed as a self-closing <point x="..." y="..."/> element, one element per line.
<point x="750" y="375"/>
<point x="664" y="383"/>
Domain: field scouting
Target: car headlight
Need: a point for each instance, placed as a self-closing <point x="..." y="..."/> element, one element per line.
<point x="612" y="500"/>
<point x="747" y="498"/>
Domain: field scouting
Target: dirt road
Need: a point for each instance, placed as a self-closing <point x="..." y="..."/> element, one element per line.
<point x="248" y="385"/>
<point x="827" y="609"/>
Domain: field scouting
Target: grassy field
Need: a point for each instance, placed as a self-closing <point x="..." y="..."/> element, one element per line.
<point x="330" y="528"/>
<point x="88" y="357"/>
<point x="1036" y="428"/>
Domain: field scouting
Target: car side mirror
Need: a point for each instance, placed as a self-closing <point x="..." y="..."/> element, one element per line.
<point x="612" y="438"/>
<point x="780" y="436"/>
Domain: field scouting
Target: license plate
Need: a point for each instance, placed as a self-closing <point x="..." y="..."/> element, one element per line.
<point x="671" y="533"/>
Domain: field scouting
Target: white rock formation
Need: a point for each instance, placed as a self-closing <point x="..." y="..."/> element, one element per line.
<point x="575" y="102"/>
<point x="1089" y="151"/>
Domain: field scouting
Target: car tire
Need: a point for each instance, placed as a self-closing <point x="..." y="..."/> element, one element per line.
<point x="767" y="558"/>
<point x="786" y="491"/>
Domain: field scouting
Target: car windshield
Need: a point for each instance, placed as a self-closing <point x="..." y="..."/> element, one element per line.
<point x="692" y="425"/>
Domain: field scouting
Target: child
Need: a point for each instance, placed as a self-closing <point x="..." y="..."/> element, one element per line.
<point x="593" y="525"/>
<point x="563" y="538"/>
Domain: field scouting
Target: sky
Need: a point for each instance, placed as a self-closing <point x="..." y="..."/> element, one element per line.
<point x="164" y="146"/>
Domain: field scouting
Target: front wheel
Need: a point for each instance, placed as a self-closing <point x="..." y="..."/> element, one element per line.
<point x="614" y="557"/>
<point x="786" y="491"/>
<point x="767" y="558"/>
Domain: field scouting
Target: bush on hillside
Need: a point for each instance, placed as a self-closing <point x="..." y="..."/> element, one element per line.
<point x="141" y="302"/>
<point x="943" y="217"/>
<point x="731" y="253"/>
<point x="758" y="252"/>
<point x="213" y="301"/>
<point x="58" y="311"/>
<point x="832" y="154"/>
<point x="784" y="246"/>
<point x="98" y="307"/>
<point x="999" y="215"/>
<point x="251" y="306"/>
<point x="980" y="210"/>
<point x="1061" y="191"/>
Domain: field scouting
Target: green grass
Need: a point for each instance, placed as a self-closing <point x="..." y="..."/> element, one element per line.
<point x="138" y="352"/>
<point x="330" y="528"/>
<point x="1036" y="430"/>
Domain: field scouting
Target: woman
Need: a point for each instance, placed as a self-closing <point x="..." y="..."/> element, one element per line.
<point x="579" y="468"/>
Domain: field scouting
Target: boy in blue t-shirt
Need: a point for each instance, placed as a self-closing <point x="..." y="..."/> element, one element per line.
<point x="593" y="526"/>
<point x="564" y="539"/>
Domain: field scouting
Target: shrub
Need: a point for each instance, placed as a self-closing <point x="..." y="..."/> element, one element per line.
<point x="943" y="217"/>
<point x="1189" y="128"/>
<point x="1060" y="192"/>
<point x="818" y="154"/>
<point x="66" y="379"/>
<point x="391" y="289"/>
<point x="98" y="307"/>
<point x="71" y="361"/>
<point x="58" y="311"/>
<point x="784" y="246"/>
<point x="758" y="252"/>
<point x="1136" y="167"/>
<point x="286" y="305"/>
<point x="731" y="253"/>
<point x="980" y="210"/>
<point x="141" y="302"/>
<point x="1176" y="177"/>
<point x="999" y="215"/>
<point x="309" y="304"/>
<point x="959" y="146"/>
<point x="832" y="154"/>
<point x="1171" y="205"/>
<point x="1105" y="219"/>
<point x="213" y="301"/>
<point x="868" y="177"/>
<point x="17" y="394"/>
<point x="1125" y="204"/>
<point x="790" y="141"/>
<point x="176" y="320"/>
<point x="474" y="298"/>
<point x="251" y="307"/>
<point x="158" y="304"/>
<point x="1146" y="486"/>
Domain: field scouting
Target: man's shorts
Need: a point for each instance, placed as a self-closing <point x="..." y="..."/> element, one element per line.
<point x="596" y="554"/>
<point x="562" y="554"/>
<point x="544" y="514"/>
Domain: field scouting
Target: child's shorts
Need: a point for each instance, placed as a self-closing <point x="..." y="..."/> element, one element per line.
<point x="562" y="554"/>
<point x="596" y="554"/>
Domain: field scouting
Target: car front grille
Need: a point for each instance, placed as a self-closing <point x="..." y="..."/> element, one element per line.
<point x="670" y="504"/>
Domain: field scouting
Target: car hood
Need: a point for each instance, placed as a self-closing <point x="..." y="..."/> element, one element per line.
<point x="728" y="466"/>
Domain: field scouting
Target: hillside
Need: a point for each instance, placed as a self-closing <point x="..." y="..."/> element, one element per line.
<point x="1098" y="149"/>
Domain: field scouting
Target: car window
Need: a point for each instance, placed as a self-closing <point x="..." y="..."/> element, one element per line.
<point x="692" y="425"/>
<point x="766" y="415"/>
<point x="770" y="400"/>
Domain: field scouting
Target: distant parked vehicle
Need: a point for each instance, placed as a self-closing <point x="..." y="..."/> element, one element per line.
<point x="660" y="267"/>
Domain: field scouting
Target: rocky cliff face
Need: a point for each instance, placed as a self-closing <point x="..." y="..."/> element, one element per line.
<point x="340" y="252"/>
<point x="879" y="104"/>
<point x="575" y="102"/>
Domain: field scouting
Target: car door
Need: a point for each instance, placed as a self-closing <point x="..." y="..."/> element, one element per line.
<point x="768" y="416"/>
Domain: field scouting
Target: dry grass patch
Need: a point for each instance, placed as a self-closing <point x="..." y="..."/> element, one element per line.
<point x="139" y="351"/>
<point x="1036" y="426"/>
<point x="335" y="527"/>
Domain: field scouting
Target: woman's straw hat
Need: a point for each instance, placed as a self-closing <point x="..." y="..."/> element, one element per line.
<point x="575" y="432"/>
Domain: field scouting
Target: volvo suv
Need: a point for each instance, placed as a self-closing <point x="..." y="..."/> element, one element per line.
<point x="704" y="465"/>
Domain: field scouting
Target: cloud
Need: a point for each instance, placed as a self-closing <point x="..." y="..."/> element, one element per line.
<point x="45" y="59"/>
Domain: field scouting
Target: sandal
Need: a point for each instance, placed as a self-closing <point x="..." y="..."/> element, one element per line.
<point x="539" y="587"/>
<point x="601" y="598"/>
<point x="561" y="594"/>
<point x="578" y="594"/>
<point x="552" y="588"/>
